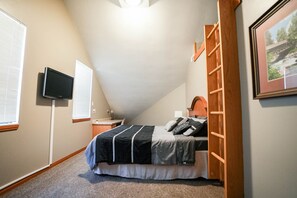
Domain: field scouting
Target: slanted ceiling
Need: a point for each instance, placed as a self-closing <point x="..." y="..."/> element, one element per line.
<point x="140" y="55"/>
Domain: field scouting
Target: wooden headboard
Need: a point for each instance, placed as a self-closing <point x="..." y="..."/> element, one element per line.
<point x="198" y="107"/>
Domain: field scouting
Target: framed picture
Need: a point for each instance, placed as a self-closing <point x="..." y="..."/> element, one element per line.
<point x="273" y="40"/>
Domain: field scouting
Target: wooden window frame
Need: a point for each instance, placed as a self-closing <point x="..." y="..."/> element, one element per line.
<point x="13" y="124"/>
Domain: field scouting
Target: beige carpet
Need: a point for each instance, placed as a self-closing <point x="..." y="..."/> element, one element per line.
<point x="72" y="178"/>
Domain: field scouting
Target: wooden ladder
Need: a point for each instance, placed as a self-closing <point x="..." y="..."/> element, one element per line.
<point x="216" y="113"/>
<point x="225" y="156"/>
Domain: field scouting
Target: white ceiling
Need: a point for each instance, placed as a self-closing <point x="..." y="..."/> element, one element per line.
<point x="140" y="55"/>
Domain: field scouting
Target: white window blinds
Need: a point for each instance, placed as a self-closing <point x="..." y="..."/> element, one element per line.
<point x="12" y="42"/>
<point x="82" y="92"/>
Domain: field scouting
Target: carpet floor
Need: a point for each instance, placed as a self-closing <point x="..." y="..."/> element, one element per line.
<point x="73" y="178"/>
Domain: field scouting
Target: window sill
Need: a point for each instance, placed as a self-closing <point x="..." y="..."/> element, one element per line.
<point x="11" y="127"/>
<point x="80" y="120"/>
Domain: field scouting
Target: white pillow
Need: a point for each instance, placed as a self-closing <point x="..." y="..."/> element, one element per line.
<point x="189" y="131"/>
<point x="169" y="124"/>
<point x="202" y="120"/>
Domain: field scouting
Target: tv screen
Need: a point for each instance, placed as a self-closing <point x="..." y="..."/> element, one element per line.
<point x="57" y="85"/>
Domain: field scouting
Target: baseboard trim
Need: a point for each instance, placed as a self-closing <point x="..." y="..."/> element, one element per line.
<point x="33" y="174"/>
<point x="67" y="157"/>
<point x="24" y="178"/>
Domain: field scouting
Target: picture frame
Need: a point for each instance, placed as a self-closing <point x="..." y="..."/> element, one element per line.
<point x="273" y="42"/>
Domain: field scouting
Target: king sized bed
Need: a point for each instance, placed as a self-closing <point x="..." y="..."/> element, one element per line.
<point x="177" y="150"/>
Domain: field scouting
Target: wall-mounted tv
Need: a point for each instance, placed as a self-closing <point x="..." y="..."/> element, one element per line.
<point x="57" y="85"/>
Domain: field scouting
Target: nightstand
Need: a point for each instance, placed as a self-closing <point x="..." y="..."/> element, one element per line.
<point x="100" y="126"/>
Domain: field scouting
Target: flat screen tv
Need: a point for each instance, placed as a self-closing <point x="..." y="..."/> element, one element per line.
<point x="57" y="85"/>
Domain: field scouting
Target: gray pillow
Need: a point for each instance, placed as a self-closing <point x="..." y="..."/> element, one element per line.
<point x="181" y="128"/>
<point x="196" y="126"/>
<point x="178" y="120"/>
<point x="184" y="119"/>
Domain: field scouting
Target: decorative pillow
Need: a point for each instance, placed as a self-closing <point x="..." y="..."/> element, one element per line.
<point x="181" y="128"/>
<point x="184" y="119"/>
<point x="170" y="124"/>
<point x="178" y="120"/>
<point x="189" y="131"/>
<point x="176" y="123"/>
<point x="203" y="132"/>
<point x="196" y="126"/>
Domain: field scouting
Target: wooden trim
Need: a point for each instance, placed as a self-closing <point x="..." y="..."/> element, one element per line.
<point x="198" y="52"/>
<point x="11" y="127"/>
<point x="24" y="180"/>
<point x="198" y="107"/>
<point x="217" y="112"/>
<point x="214" y="49"/>
<point x="213" y="30"/>
<point x="216" y="69"/>
<point x="216" y="91"/>
<point x="67" y="157"/>
<point x="80" y="120"/>
<point x="218" y="157"/>
<point x="217" y="135"/>
<point x="236" y="3"/>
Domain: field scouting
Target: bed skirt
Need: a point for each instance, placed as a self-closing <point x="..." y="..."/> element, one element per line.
<point x="158" y="172"/>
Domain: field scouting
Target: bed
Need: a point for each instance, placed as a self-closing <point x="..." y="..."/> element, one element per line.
<point x="154" y="152"/>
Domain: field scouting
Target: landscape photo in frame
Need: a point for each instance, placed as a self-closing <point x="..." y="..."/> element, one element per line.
<point x="274" y="51"/>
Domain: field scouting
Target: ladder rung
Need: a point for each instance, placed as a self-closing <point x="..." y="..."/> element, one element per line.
<point x="213" y="29"/>
<point x="216" y="91"/>
<point x="216" y="69"/>
<point x="217" y="112"/>
<point x="218" y="157"/>
<point x="214" y="49"/>
<point x="218" y="135"/>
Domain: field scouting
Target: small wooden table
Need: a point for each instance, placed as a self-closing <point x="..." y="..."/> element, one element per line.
<point x="100" y="126"/>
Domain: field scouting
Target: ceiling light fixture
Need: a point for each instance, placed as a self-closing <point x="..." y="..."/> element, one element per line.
<point x="134" y="3"/>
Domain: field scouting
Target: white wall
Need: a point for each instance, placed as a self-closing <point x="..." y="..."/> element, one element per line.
<point x="52" y="40"/>
<point x="180" y="98"/>
<point x="269" y="125"/>
<point x="196" y="82"/>
<point x="163" y="110"/>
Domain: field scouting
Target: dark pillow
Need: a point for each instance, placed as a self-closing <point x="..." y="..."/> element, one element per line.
<point x="203" y="132"/>
<point x="178" y="120"/>
<point x="181" y="128"/>
<point x="197" y="128"/>
<point x="184" y="119"/>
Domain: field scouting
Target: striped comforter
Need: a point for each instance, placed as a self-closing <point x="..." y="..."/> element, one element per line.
<point x="142" y="145"/>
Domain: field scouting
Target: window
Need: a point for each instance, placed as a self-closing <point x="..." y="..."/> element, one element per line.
<point x="82" y="92"/>
<point x="12" y="42"/>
